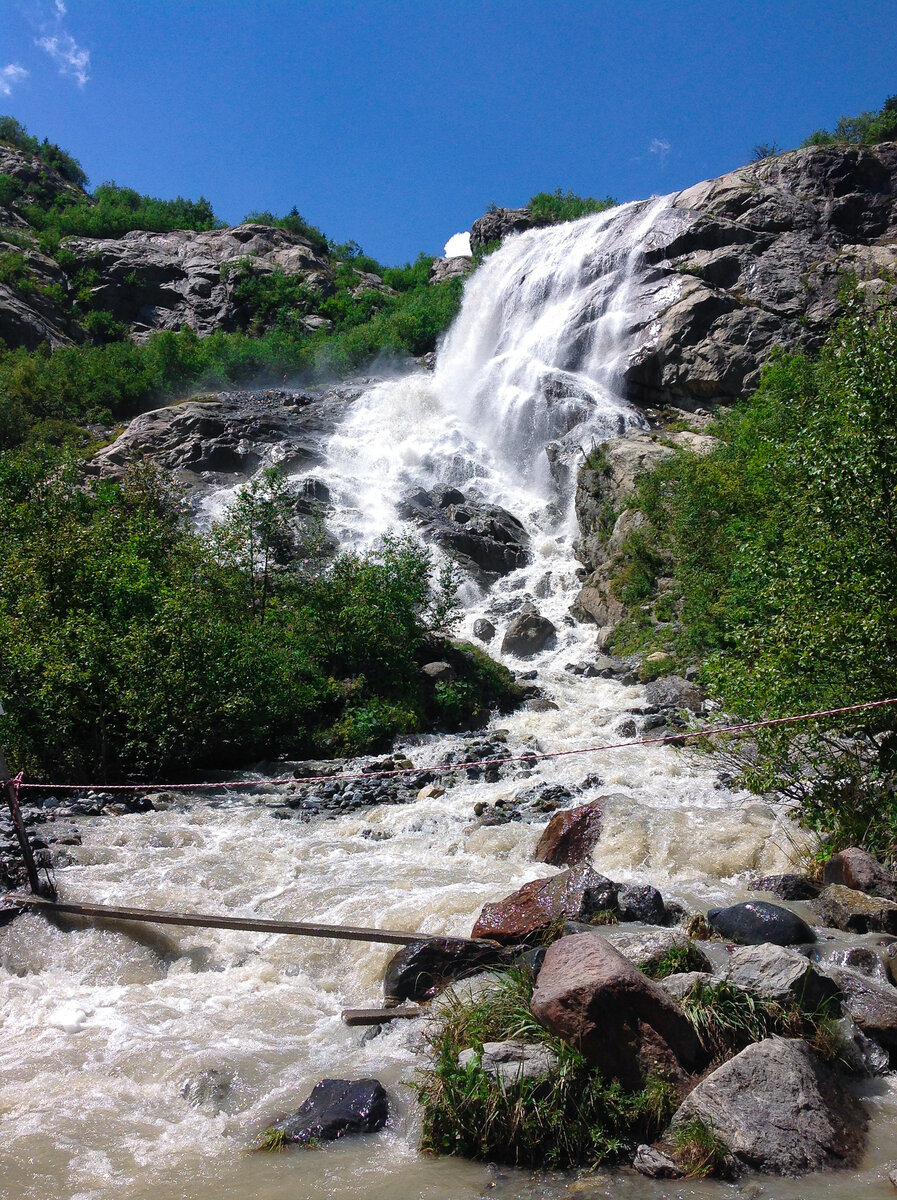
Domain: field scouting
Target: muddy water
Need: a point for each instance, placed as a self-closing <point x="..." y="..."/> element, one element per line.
<point x="100" y="1030"/>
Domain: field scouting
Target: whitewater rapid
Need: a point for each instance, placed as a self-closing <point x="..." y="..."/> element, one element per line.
<point x="101" y="1029"/>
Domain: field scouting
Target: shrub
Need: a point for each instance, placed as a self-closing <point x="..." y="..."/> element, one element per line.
<point x="552" y="207"/>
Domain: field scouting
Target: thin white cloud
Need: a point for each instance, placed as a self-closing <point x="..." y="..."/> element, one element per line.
<point x="73" y="59"/>
<point x="10" y="76"/>
<point x="53" y="37"/>
<point x="660" y="147"/>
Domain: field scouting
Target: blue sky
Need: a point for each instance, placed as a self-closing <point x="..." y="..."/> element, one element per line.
<point x="395" y="123"/>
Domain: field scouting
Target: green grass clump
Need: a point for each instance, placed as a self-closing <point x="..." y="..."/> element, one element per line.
<point x="675" y="961"/>
<point x="727" y="1019"/>
<point x="273" y="1141"/>
<point x="698" y="1151"/>
<point x="572" y="1117"/>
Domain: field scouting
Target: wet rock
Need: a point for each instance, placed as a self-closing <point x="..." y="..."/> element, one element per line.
<point x="674" y="692"/>
<point x="863" y="959"/>
<point x="432" y="791"/>
<point x="484" y="630"/>
<point x="528" y="634"/>
<point x="756" y="921"/>
<point x="655" y="1164"/>
<point x="859" y="1053"/>
<point x="208" y="1089"/>
<point x="854" y="868"/>
<point x="570" y="836"/>
<point x="484" y="539"/>
<point x="872" y="1005"/>
<point x="778" y="1108"/>
<point x="421" y="970"/>
<point x="531" y="911"/>
<point x="848" y="909"/>
<point x="641" y="902"/>
<point x="337" y="1107"/>
<point x="789" y="887"/>
<point x="511" y="1062"/>
<point x="626" y="1026"/>
<point x="778" y="974"/>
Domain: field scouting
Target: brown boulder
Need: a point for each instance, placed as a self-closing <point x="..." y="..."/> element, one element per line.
<point x="529" y="913"/>
<point x="854" y="868"/>
<point x="623" y="1023"/>
<point x="570" y="836"/>
<point x="845" y="908"/>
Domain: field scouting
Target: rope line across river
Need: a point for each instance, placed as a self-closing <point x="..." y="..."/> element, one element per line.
<point x="16" y="783"/>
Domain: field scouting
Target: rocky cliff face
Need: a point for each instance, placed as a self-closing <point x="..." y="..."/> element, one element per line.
<point x="166" y="280"/>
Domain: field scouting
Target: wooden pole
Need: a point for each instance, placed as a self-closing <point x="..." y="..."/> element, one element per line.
<point x="38" y="887"/>
<point x="106" y="912"/>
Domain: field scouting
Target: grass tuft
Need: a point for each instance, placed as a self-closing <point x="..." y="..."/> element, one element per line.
<point x="273" y="1140"/>
<point x="676" y="960"/>
<point x="698" y="1151"/>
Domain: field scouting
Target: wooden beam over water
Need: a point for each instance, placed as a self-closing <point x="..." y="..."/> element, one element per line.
<point x="105" y="912"/>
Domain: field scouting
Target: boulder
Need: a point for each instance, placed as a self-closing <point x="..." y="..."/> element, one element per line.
<point x="438" y="672"/>
<point x="570" y="835"/>
<point x="528" y="634"/>
<point x="531" y="911"/>
<point x="771" y="971"/>
<point x="641" y="902"/>
<point x="495" y="225"/>
<point x="789" y="887"/>
<point x="511" y="1062"/>
<point x="421" y="970"/>
<point x="845" y="908"/>
<point x="655" y="1164"/>
<point x="680" y="984"/>
<point x="872" y="1005"/>
<point x="456" y="267"/>
<point x="485" y="539"/>
<point x="624" y="1024"/>
<point x="778" y="1108"/>
<point x="756" y="921"/>
<point x="335" y="1108"/>
<point x="674" y="692"/>
<point x="483" y="630"/>
<point x="854" y="868"/>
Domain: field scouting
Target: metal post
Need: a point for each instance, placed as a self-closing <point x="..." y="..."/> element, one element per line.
<point x="11" y="789"/>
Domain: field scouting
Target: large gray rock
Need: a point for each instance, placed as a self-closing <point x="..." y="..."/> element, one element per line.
<point x="647" y="947"/>
<point x="624" y="1024"/>
<point x="450" y="268"/>
<point x="778" y="1108"/>
<point x="528" y="633"/>
<point x="778" y="974"/>
<point x="496" y="225"/>
<point x="872" y="1005"/>
<point x="674" y="692"/>
<point x="485" y="539"/>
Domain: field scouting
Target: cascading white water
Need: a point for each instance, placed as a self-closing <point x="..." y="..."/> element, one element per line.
<point x="98" y="1029"/>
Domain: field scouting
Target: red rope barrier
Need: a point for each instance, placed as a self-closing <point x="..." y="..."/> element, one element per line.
<point x="464" y="766"/>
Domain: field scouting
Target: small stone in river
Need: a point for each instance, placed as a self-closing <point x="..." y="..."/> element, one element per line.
<point x="431" y="792"/>
<point x="483" y="630"/>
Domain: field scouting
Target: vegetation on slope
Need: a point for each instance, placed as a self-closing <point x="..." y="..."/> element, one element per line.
<point x="132" y="644"/>
<point x="783" y="549"/>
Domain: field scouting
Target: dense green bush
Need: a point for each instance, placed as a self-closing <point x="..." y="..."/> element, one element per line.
<point x="15" y="134"/>
<point x="866" y="127"/>
<point x="565" y="206"/>
<point x="131" y="644"/>
<point x="785" y="544"/>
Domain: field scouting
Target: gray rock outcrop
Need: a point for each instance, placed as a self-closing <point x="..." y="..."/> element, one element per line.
<point x="485" y="539"/>
<point x="778" y="1108"/>
<point x="496" y="225"/>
